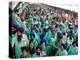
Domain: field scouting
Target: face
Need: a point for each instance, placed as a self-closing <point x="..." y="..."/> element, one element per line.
<point x="41" y="29"/>
<point x="32" y="37"/>
<point x="13" y="30"/>
<point x="23" y="16"/>
<point x="31" y="45"/>
<point x="38" y="50"/>
<point x="19" y="33"/>
<point x="24" y="53"/>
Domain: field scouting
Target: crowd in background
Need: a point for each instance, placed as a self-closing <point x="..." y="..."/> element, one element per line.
<point x="38" y="30"/>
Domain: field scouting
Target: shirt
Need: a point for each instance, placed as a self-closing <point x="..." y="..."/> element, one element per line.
<point x="61" y="53"/>
<point x="73" y="50"/>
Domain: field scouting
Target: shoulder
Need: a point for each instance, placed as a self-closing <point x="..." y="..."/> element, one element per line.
<point x="24" y="35"/>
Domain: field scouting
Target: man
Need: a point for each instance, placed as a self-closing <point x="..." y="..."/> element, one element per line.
<point x="32" y="39"/>
<point x="73" y="49"/>
<point x="19" y="41"/>
<point x="48" y="35"/>
<point x="43" y="44"/>
<point x="12" y="34"/>
<point x="70" y="38"/>
<point x="61" y="51"/>
<point x="53" y="37"/>
<point x="58" y="40"/>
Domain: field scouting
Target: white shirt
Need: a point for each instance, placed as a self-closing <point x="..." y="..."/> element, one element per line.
<point x="24" y="41"/>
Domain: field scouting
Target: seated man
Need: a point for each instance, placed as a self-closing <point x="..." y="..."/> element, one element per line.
<point x="61" y="51"/>
<point x="73" y="49"/>
<point x="19" y="41"/>
<point x="32" y="39"/>
<point x="12" y="34"/>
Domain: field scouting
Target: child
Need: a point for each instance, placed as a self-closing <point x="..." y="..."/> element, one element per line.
<point x="24" y="52"/>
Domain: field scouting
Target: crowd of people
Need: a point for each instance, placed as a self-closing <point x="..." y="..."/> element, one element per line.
<point x="35" y="31"/>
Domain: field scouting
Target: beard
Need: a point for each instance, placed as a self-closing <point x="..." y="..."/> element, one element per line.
<point x="19" y="38"/>
<point x="14" y="32"/>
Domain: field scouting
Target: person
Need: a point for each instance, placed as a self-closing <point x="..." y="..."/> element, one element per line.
<point x="58" y="40"/>
<point x="37" y="38"/>
<point x="61" y="51"/>
<point x="24" y="52"/>
<point x="51" y="47"/>
<point x="39" y="32"/>
<point x="76" y="33"/>
<point x="32" y="39"/>
<point x="64" y="37"/>
<point x="43" y="45"/>
<point x="64" y="40"/>
<point x="73" y="49"/>
<point x="53" y="37"/>
<point x="12" y="34"/>
<point x="48" y="35"/>
<point x="31" y="49"/>
<point x="70" y="38"/>
<point x="14" y="17"/>
<point x="19" y="41"/>
<point x="24" y="19"/>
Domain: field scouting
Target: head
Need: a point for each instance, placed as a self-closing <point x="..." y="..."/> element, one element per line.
<point x="24" y="51"/>
<point x="14" y="29"/>
<point x="64" y="34"/>
<point x="70" y="26"/>
<point x="38" y="50"/>
<point x="41" y="29"/>
<point x="23" y="16"/>
<point x="20" y="31"/>
<point x="31" y="45"/>
<point x="32" y="36"/>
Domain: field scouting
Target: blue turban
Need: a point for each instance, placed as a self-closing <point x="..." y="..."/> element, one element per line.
<point x="20" y="29"/>
<point x="43" y="41"/>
